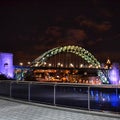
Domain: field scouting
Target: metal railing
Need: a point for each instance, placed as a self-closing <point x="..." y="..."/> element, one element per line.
<point x="89" y="97"/>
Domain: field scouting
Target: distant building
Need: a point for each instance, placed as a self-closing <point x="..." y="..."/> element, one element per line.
<point x="6" y="64"/>
<point x="108" y="63"/>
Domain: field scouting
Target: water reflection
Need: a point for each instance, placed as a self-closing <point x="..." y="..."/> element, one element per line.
<point x="105" y="99"/>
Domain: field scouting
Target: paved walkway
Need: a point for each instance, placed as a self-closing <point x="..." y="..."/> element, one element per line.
<point x="14" y="110"/>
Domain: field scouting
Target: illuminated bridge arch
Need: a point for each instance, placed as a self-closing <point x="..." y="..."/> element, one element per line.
<point x="79" y="51"/>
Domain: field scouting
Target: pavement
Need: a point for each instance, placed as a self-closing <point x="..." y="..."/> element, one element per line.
<point x="11" y="109"/>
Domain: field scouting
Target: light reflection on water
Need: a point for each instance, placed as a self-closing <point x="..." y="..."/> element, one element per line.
<point x="110" y="99"/>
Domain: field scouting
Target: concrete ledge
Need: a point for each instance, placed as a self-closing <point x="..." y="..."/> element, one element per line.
<point x="97" y="113"/>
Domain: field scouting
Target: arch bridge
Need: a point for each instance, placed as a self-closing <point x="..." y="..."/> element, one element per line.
<point x="69" y="57"/>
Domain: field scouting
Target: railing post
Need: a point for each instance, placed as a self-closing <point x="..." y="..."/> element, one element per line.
<point x="116" y="95"/>
<point x="29" y="91"/>
<point x="54" y="94"/>
<point x="10" y="89"/>
<point x="88" y="97"/>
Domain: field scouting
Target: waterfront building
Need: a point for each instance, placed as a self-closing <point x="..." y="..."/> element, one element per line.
<point x="6" y="64"/>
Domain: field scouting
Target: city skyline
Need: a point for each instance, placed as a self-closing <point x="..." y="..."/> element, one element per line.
<point x="29" y="29"/>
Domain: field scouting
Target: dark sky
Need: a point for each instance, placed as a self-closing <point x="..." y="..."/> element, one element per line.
<point x="28" y="29"/>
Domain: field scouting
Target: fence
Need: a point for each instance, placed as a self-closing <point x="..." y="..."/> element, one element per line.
<point x="89" y="97"/>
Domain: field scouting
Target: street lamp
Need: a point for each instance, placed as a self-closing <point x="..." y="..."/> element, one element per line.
<point x="21" y="64"/>
<point x="28" y="63"/>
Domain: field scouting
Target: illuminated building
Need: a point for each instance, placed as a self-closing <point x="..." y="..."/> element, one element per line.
<point x="108" y="64"/>
<point x="114" y="74"/>
<point x="6" y="64"/>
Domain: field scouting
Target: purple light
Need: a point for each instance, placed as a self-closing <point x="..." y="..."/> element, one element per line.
<point x="6" y="64"/>
<point x="114" y="76"/>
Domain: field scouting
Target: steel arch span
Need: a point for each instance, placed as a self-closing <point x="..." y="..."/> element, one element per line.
<point x="79" y="51"/>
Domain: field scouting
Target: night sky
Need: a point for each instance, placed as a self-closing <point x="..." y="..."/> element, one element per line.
<point x="28" y="29"/>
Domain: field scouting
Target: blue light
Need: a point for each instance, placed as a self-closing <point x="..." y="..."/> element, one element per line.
<point x="114" y="100"/>
<point x="114" y="76"/>
<point x="111" y="99"/>
<point x="6" y="64"/>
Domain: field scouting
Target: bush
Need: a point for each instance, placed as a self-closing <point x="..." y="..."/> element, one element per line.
<point x="3" y="77"/>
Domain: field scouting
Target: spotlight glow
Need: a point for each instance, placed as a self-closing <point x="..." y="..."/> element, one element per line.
<point x="114" y="76"/>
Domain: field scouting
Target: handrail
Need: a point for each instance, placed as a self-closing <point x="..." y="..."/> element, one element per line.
<point x="84" y="96"/>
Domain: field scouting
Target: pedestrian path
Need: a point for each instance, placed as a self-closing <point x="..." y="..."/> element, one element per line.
<point x="14" y="110"/>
